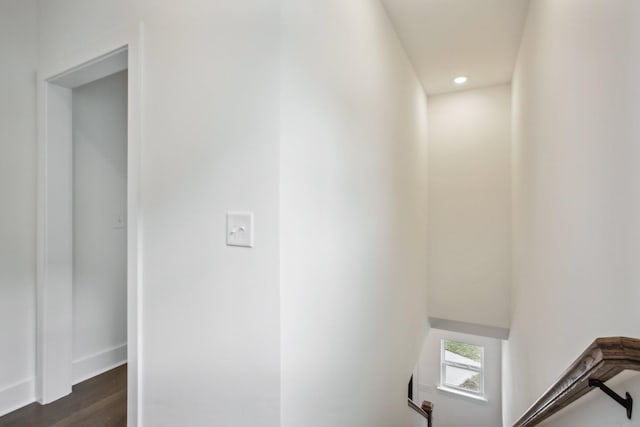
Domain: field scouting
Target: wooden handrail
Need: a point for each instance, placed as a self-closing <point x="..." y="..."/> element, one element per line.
<point x="425" y="410"/>
<point x="602" y="360"/>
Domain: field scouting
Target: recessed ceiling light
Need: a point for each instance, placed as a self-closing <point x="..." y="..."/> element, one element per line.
<point x="460" y="80"/>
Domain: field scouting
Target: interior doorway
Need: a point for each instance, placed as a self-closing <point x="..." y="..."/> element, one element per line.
<point x="99" y="245"/>
<point x="87" y="225"/>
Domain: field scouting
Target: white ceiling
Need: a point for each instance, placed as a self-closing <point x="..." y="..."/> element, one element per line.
<point x="449" y="38"/>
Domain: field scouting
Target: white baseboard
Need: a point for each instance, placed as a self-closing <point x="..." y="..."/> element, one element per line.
<point x="98" y="363"/>
<point x="17" y="395"/>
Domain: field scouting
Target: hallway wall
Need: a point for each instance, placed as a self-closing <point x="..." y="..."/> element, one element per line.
<point x="18" y="63"/>
<point x="353" y="213"/>
<point x="576" y="102"/>
<point x="469" y="253"/>
<point x="99" y="229"/>
<point x="217" y="95"/>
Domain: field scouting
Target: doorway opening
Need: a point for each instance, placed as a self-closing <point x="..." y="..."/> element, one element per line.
<point x="99" y="245"/>
<point x="87" y="226"/>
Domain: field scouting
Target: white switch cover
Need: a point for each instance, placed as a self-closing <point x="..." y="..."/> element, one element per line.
<point x="240" y="229"/>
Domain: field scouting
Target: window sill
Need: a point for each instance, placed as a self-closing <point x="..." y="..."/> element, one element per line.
<point x="460" y="393"/>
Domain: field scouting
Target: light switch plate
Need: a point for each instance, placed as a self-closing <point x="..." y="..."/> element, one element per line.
<point x="240" y="229"/>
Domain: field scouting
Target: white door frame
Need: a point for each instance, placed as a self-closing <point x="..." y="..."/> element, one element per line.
<point x="54" y="236"/>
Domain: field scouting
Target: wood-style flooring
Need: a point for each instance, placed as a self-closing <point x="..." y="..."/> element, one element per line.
<point x="98" y="402"/>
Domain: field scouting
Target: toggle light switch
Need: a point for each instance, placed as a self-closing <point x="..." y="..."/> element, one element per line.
<point x="240" y="229"/>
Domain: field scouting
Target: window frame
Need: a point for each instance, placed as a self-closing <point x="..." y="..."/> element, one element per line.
<point x="444" y="363"/>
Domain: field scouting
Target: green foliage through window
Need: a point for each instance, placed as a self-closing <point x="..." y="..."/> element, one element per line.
<point x="466" y="350"/>
<point x="472" y="383"/>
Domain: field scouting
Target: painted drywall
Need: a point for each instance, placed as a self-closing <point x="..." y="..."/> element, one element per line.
<point x="576" y="198"/>
<point x="353" y="216"/>
<point x="451" y="410"/>
<point x="210" y="325"/>
<point x="99" y="229"/>
<point x="18" y="62"/>
<point x="446" y="39"/>
<point x="414" y="419"/>
<point x="470" y="206"/>
<point x="211" y="127"/>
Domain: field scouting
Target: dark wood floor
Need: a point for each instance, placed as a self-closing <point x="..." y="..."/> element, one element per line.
<point x="98" y="402"/>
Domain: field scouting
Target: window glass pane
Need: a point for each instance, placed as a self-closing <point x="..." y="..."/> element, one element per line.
<point x="463" y="378"/>
<point x="466" y="354"/>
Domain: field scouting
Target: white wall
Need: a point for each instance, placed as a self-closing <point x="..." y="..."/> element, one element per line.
<point x="470" y="206"/>
<point x="99" y="233"/>
<point x="452" y="410"/>
<point x="210" y="327"/>
<point x="18" y="63"/>
<point x="576" y="197"/>
<point x="353" y="215"/>
<point x="414" y="419"/>
<point x="354" y="162"/>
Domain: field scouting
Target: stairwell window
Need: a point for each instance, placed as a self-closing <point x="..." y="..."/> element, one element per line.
<point x="462" y="368"/>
